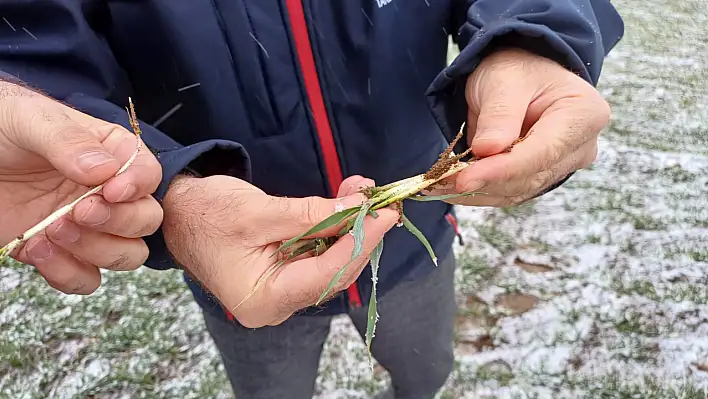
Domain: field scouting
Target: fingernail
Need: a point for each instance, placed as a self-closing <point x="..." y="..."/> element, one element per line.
<point x="489" y="134"/>
<point x="39" y="250"/>
<point x="91" y="160"/>
<point x="67" y="231"/>
<point x="128" y="192"/>
<point x="98" y="213"/>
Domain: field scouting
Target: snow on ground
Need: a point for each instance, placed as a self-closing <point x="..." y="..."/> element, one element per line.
<point x="597" y="290"/>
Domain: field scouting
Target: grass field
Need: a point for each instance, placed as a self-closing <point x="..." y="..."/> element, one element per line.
<point x="597" y="290"/>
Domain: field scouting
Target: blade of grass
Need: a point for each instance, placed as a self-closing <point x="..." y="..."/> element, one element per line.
<point x="358" y="232"/>
<point x="425" y="198"/>
<point x="373" y="315"/>
<point x="332" y="283"/>
<point x="414" y="230"/>
<point x="330" y="221"/>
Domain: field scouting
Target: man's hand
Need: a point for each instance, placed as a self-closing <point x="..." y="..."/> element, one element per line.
<point x="51" y="154"/>
<point x="224" y="231"/>
<point x="515" y="94"/>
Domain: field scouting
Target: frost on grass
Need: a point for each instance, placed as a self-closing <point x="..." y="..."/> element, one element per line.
<point x="620" y="250"/>
<point x="618" y="261"/>
<point x="140" y="335"/>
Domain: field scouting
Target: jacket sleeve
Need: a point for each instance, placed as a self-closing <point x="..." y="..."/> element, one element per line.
<point x="578" y="34"/>
<point x="55" y="46"/>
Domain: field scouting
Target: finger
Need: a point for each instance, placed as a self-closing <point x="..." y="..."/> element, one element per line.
<point x="144" y="174"/>
<point x="135" y="219"/>
<point x="71" y="148"/>
<point x="99" y="249"/>
<point x="303" y="282"/>
<point x="501" y="115"/>
<point x="289" y="217"/>
<point x="61" y="270"/>
<point x="352" y="185"/>
<point x="518" y="191"/>
<point x="557" y="134"/>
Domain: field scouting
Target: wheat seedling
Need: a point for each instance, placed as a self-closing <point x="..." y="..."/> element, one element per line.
<point x="392" y="194"/>
<point x="8" y="249"/>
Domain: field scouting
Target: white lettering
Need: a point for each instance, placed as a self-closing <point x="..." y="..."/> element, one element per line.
<point x="382" y="3"/>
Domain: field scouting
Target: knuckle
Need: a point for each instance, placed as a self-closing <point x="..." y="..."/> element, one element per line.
<point x="128" y="227"/>
<point x="61" y="286"/>
<point x="142" y="255"/>
<point x="604" y="111"/>
<point x="499" y="109"/>
<point x="149" y="223"/>
<point x="310" y="211"/>
<point x="85" y="287"/>
<point x="598" y="111"/>
<point x="73" y="284"/>
<point x="155" y="171"/>
<point x="122" y="261"/>
<point x="150" y="174"/>
<point x="589" y="157"/>
<point x="114" y="128"/>
<point x="601" y="108"/>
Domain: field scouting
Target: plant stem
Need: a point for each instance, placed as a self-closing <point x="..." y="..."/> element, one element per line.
<point x="411" y="186"/>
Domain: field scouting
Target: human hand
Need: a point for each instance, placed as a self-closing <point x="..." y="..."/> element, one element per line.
<point x="50" y="155"/>
<point x="224" y="232"/>
<point x="514" y="94"/>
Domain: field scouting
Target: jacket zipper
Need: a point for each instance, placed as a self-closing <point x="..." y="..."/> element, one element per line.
<point x="333" y="167"/>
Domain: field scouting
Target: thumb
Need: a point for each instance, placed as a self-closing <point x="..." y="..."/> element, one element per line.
<point x="290" y="217"/>
<point x="73" y="150"/>
<point x="501" y="117"/>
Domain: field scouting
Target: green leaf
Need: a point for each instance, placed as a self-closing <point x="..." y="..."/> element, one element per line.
<point x="425" y="198"/>
<point x="358" y="230"/>
<point x="348" y="226"/>
<point x="330" y="221"/>
<point x="373" y="316"/>
<point x="414" y="230"/>
<point x="332" y="283"/>
<point x="317" y="245"/>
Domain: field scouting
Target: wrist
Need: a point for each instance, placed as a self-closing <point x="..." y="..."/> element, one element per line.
<point x="179" y="223"/>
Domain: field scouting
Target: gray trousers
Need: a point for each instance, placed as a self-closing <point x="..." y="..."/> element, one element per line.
<point x="414" y="343"/>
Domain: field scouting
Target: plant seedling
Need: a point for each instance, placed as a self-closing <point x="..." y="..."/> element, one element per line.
<point x="392" y="194"/>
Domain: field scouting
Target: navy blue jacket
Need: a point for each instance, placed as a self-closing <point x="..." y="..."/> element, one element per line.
<point x="293" y="95"/>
